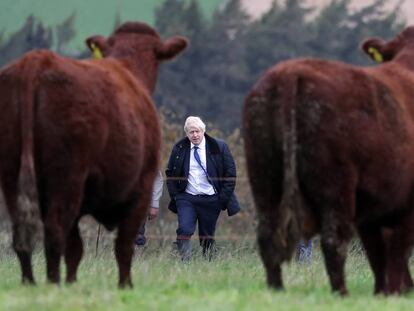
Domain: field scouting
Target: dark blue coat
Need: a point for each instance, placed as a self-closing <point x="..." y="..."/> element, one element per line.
<point x="220" y="167"/>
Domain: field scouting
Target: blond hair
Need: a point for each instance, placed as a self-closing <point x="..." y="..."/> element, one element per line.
<point x="194" y="122"/>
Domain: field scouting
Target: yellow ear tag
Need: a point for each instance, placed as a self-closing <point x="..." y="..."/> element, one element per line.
<point x="375" y="54"/>
<point x="96" y="52"/>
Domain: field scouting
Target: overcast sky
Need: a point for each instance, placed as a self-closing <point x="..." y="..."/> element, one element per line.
<point x="257" y="7"/>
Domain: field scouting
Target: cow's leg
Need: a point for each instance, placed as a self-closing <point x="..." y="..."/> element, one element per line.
<point x="62" y="205"/>
<point x="375" y="247"/>
<point x="408" y="232"/>
<point x="73" y="253"/>
<point x="124" y="249"/>
<point x="128" y="229"/>
<point x="269" y="253"/>
<point x="54" y="241"/>
<point x="381" y="256"/>
<point x="274" y="247"/>
<point x="24" y="255"/>
<point x="397" y="261"/>
<point x="124" y="244"/>
<point x="337" y="202"/>
<point x="23" y="249"/>
<point x="25" y="259"/>
<point x="398" y="274"/>
<point x="265" y="175"/>
<point x="334" y="247"/>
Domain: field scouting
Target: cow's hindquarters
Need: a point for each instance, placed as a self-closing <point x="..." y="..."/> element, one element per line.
<point x="270" y="144"/>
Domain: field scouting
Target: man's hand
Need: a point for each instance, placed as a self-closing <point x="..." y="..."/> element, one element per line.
<point x="153" y="213"/>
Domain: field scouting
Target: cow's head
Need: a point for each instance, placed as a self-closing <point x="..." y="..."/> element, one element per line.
<point x="139" y="46"/>
<point x="384" y="51"/>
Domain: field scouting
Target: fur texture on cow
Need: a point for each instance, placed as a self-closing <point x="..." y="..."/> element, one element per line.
<point x="81" y="137"/>
<point x="329" y="150"/>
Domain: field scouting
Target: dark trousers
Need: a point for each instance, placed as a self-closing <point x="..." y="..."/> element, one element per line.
<point x="141" y="239"/>
<point x="304" y="251"/>
<point x="204" y="209"/>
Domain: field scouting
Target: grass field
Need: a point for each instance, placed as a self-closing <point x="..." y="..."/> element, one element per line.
<point x="234" y="281"/>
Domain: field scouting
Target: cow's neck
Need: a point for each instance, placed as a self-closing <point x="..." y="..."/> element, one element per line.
<point x="406" y="58"/>
<point x="146" y="73"/>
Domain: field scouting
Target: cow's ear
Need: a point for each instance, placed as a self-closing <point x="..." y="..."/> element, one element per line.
<point x="171" y="47"/>
<point x="374" y="48"/>
<point x="97" y="45"/>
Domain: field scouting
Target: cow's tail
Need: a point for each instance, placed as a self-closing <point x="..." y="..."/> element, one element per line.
<point x="291" y="204"/>
<point x="27" y="220"/>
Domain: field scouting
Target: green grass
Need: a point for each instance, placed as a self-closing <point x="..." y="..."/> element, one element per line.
<point x="234" y="281"/>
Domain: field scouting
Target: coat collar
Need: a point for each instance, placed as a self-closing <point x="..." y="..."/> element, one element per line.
<point x="211" y="144"/>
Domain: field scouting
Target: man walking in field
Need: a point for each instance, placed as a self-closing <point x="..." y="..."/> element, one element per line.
<point x="201" y="177"/>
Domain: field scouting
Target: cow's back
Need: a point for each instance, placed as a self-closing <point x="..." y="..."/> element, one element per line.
<point x="346" y="117"/>
<point x="89" y="116"/>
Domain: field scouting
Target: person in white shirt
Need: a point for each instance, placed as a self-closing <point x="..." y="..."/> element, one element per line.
<point x="153" y="212"/>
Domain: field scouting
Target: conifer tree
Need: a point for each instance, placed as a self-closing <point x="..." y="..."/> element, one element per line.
<point x="281" y="33"/>
<point x="32" y="35"/>
<point x="65" y="32"/>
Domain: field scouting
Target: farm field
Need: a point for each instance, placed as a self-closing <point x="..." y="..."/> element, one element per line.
<point x="233" y="281"/>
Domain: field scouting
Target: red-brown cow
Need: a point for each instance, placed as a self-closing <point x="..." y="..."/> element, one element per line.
<point x="81" y="137"/>
<point x="330" y="149"/>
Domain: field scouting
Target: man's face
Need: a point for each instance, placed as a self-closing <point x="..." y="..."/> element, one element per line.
<point x="195" y="135"/>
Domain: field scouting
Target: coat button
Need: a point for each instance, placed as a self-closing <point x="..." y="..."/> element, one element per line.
<point x="177" y="157"/>
<point x="174" y="167"/>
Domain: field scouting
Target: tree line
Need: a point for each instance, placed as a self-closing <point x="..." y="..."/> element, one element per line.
<point x="229" y="50"/>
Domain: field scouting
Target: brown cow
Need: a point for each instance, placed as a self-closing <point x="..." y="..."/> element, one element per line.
<point x="81" y="137"/>
<point x="330" y="149"/>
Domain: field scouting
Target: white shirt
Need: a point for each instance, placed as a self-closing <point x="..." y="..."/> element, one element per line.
<point x="197" y="179"/>
<point x="157" y="190"/>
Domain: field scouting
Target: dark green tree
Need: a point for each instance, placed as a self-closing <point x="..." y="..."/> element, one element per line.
<point x="329" y="30"/>
<point x="65" y="32"/>
<point x="169" y="18"/>
<point x="281" y="33"/>
<point x="210" y="78"/>
<point x="372" y="20"/>
<point x="228" y="52"/>
<point x="118" y="20"/>
<point x="224" y="69"/>
<point x="180" y="81"/>
<point x="338" y="31"/>
<point x="32" y="35"/>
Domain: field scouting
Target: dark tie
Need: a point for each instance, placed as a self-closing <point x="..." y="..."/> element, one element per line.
<point x="197" y="157"/>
